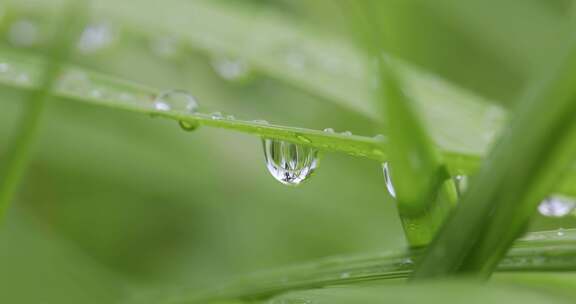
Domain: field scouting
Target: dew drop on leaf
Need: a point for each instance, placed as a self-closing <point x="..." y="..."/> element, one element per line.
<point x="556" y="206"/>
<point x="188" y="126"/>
<point x="96" y="37"/>
<point x="329" y="130"/>
<point x="230" y="68"/>
<point x="176" y="100"/>
<point x="289" y="163"/>
<point x="461" y="182"/>
<point x="388" y="180"/>
<point x="217" y="116"/>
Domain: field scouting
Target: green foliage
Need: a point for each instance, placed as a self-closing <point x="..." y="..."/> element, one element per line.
<point x="119" y="207"/>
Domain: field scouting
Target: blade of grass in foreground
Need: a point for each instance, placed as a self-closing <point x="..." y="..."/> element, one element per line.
<point x="537" y="252"/>
<point x="17" y="156"/>
<point x="417" y="173"/>
<point x="526" y="164"/>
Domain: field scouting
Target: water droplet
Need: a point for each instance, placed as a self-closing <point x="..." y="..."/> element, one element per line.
<point x="165" y="46"/>
<point x="217" y="116"/>
<point x="344" y="275"/>
<point x="329" y="130"/>
<point x="556" y="206"/>
<point x="23" y="33"/>
<point x="347" y="133"/>
<point x="176" y="100"/>
<point x="260" y="121"/>
<point x="388" y="180"/>
<point x="461" y="182"/>
<point x="161" y="106"/>
<point x="188" y="126"/>
<point x="230" y="117"/>
<point x="289" y="163"/>
<point x="560" y="232"/>
<point x="96" y="37"/>
<point x="230" y="68"/>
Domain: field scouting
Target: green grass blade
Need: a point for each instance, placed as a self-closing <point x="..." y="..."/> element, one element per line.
<point x="538" y="252"/>
<point x="521" y="170"/>
<point x="419" y="177"/>
<point x="19" y="151"/>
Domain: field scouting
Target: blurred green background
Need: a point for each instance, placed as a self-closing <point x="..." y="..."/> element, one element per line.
<point x="116" y="203"/>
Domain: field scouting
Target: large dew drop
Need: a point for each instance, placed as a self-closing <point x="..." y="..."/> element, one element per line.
<point x="556" y="206"/>
<point x="289" y="163"/>
<point x="388" y="180"/>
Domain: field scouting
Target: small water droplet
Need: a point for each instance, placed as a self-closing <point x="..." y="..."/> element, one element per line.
<point x="230" y="117"/>
<point x="329" y="130"/>
<point x="96" y="37"/>
<point x="344" y="275"/>
<point x="461" y="182"/>
<point x="188" y="126"/>
<point x="176" y="100"/>
<point x="230" y="68"/>
<point x="23" y="33"/>
<point x="388" y="180"/>
<point x="560" y="232"/>
<point x="347" y="133"/>
<point x="161" y="106"/>
<point x="261" y="121"/>
<point x="556" y="206"/>
<point x="289" y="163"/>
<point x="216" y="116"/>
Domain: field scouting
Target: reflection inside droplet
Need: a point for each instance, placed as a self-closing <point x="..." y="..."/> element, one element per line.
<point x="289" y="163"/>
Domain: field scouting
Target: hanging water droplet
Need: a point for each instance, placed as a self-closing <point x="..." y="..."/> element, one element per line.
<point x="230" y="68"/>
<point x="96" y="37"/>
<point x="176" y="100"/>
<point x="556" y="206"/>
<point x="24" y="33"/>
<point x="329" y="130"/>
<point x="388" y="179"/>
<point x="461" y="182"/>
<point x="289" y="163"/>
<point x="217" y="116"/>
<point x="188" y="126"/>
